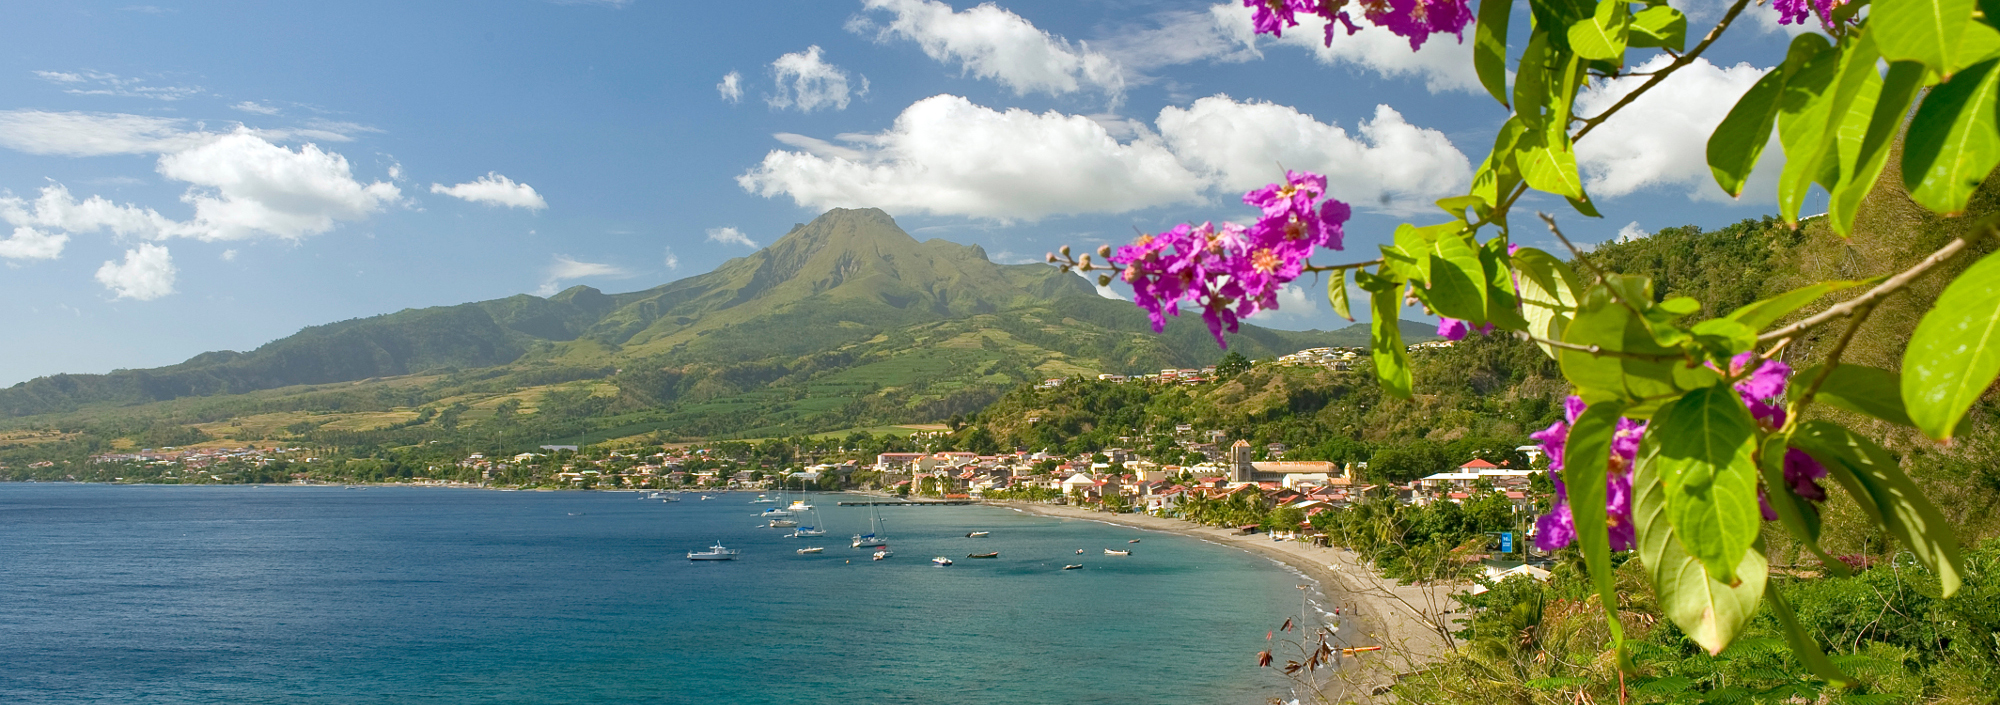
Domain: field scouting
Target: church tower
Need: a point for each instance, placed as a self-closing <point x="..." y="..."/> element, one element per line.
<point x="1239" y="463"/>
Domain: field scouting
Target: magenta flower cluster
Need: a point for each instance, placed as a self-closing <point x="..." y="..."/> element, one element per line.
<point x="1232" y="271"/>
<point x="1796" y="11"/>
<point x="1762" y="390"/>
<point x="1415" y="20"/>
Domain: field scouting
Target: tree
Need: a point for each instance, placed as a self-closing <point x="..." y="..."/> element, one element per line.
<point x="1232" y="363"/>
<point x="1678" y="425"/>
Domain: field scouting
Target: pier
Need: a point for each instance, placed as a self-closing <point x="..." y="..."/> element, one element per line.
<point x="940" y="503"/>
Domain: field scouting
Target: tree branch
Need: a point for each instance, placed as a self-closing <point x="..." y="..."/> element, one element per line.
<point x="1662" y="73"/>
<point x="1333" y="267"/>
<point x="1598" y="351"/>
<point x="1883" y="290"/>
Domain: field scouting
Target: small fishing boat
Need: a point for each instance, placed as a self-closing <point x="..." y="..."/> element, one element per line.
<point x="993" y="554"/>
<point x="814" y="549"/>
<point x="705" y="498"/>
<point x="1110" y="552"/>
<point x="884" y="553"/>
<point x="977" y="534"/>
<point x="783" y="523"/>
<point x="941" y="561"/>
<point x="1073" y="566"/>
<point x="1079" y="551"/>
<point x="714" y="553"/>
<point x="1132" y="541"/>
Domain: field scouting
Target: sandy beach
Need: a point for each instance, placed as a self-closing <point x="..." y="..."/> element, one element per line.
<point x="1374" y="610"/>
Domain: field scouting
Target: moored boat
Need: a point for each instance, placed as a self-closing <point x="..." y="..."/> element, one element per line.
<point x="1110" y="552"/>
<point x="991" y="554"/>
<point x="1132" y="541"/>
<point x="813" y="549"/>
<point x="783" y="523"/>
<point x="714" y="553"/>
<point x="978" y="534"/>
<point x="1073" y="566"/>
<point x="941" y="561"/>
<point x="884" y="553"/>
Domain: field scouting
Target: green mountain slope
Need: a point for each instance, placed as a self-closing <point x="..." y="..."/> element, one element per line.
<point x="844" y="320"/>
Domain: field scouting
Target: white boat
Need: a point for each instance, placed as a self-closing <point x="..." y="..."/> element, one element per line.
<point x="783" y="523"/>
<point x="775" y="512"/>
<point x="1110" y="552"/>
<point x="705" y="498"/>
<point x="669" y="497"/>
<point x="941" y="561"/>
<point x="1073" y="566"/>
<point x="813" y="549"/>
<point x="809" y="530"/>
<point x="799" y="506"/>
<point x="874" y="536"/>
<point x="761" y="499"/>
<point x="714" y="553"/>
<point x="884" y="553"/>
<point x="977" y="534"/>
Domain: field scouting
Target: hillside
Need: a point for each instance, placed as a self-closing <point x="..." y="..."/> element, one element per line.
<point x="844" y="321"/>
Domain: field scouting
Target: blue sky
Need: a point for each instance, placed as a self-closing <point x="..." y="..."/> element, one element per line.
<point x="184" y="177"/>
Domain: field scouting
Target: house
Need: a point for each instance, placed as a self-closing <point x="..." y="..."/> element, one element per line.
<point x="898" y="462"/>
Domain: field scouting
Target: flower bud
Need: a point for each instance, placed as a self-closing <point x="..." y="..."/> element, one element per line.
<point x="1104" y="251"/>
<point x="1064" y="250"/>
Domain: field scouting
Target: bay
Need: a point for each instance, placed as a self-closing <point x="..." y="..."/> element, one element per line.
<point x="162" y="594"/>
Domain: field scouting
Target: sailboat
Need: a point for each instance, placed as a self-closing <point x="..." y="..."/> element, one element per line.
<point x="809" y="530"/>
<point x="874" y="536"/>
<point x="775" y="512"/>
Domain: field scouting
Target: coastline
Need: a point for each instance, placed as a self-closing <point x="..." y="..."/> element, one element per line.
<point x="1367" y="601"/>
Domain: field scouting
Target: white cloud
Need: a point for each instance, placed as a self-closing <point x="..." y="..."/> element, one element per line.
<point x="672" y="260"/>
<point x="244" y="186"/>
<point x="74" y="134"/>
<point x="228" y="255"/>
<point x="29" y="243"/>
<point x="56" y="210"/>
<point x="989" y="42"/>
<point x="146" y="274"/>
<point x="1661" y="139"/>
<point x="731" y="236"/>
<point x="109" y="84"/>
<point x="1391" y="166"/>
<point x="1444" y="63"/>
<point x="947" y="156"/>
<point x="731" y="87"/>
<point x="565" y="268"/>
<point x="1178" y="37"/>
<point x="494" y="189"/>
<point x="251" y="106"/>
<point x="807" y="82"/>
<point x="1292" y="301"/>
<point x="1632" y="231"/>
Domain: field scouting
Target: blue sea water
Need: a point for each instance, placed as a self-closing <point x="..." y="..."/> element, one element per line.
<point x="161" y="594"/>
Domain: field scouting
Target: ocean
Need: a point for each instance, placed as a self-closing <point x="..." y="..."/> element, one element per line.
<point x="238" y="594"/>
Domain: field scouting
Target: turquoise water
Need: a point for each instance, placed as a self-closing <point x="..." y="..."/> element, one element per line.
<point x="390" y="595"/>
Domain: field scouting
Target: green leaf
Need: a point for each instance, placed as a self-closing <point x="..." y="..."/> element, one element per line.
<point x="1385" y="344"/>
<point x="1981" y="42"/>
<point x="1761" y="314"/>
<point x="1489" y="47"/>
<point x="1953" y="142"/>
<point x="1602" y="36"/>
<point x="1457" y="286"/>
<point x="1712" y="613"/>
<point x="1955" y="352"/>
<point x="1869" y="473"/>
<point x="1921" y="31"/>
<point x="1707" y="440"/>
<point x="1795" y="512"/>
<point x="1658" y="27"/>
<point x="1586" y="456"/>
<point x="1736" y="143"/>
<point x="1548" y="164"/>
<point x="1806" y="125"/>
<point x="1857" y="388"/>
<point x="1724" y="338"/>
<point x="1803" y="644"/>
<point x="1548" y="294"/>
<point x="1498" y="175"/>
<point x="1531" y="82"/>
<point x="1503" y="303"/>
<point x="1641" y="383"/>
<point x="1336" y="294"/>
<point x="1864" y="151"/>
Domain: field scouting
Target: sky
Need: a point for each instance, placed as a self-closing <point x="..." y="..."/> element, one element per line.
<point x="182" y="177"/>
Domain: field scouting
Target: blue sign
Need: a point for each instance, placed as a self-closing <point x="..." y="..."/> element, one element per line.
<point x="1506" y="542"/>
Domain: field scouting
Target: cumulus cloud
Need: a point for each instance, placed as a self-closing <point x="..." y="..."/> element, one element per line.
<point x="1292" y="301"/>
<point x="808" y="82"/>
<point x="948" y="156"/>
<point x="1389" y="166"/>
<point x="730" y="236"/>
<point x="146" y="274"/>
<point x="731" y="87"/>
<point x="1632" y="231"/>
<point x="494" y="189"/>
<point x="1661" y="139"/>
<point x="108" y="84"/>
<point x="29" y="243"/>
<point x="244" y="186"/>
<point x="989" y="42"/>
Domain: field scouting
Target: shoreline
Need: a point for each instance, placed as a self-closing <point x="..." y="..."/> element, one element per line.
<point x="1337" y="574"/>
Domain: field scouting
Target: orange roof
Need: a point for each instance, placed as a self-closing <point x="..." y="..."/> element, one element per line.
<point x="1478" y="464"/>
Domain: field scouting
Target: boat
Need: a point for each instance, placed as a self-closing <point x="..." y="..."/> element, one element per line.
<point x="883" y="553"/>
<point x="989" y="554"/>
<point x="1073" y="566"/>
<point x="941" y="561"/>
<point x="874" y="536"/>
<point x="775" y="512"/>
<point x="705" y="498"/>
<point x="799" y="505"/>
<point x="1132" y="541"/>
<point x="674" y="497"/>
<point x="761" y="499"/>
<point x="1110" y="552"/>
<point x="977" y="534"/>
<point x="714" y="553"/>
<point x="1079" y="551"/>
<point x="783" y="523"/>
<point x="811" y="530"/>
<point x="813" y="549"/>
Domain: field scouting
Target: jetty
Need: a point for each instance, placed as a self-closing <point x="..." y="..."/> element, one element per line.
<point x="940" y="503"/>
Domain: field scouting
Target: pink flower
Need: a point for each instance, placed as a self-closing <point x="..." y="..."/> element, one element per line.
<point x="1557" y="528"/>
<point x="1764" y="390"/>
<point x="1273" y="16"/>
